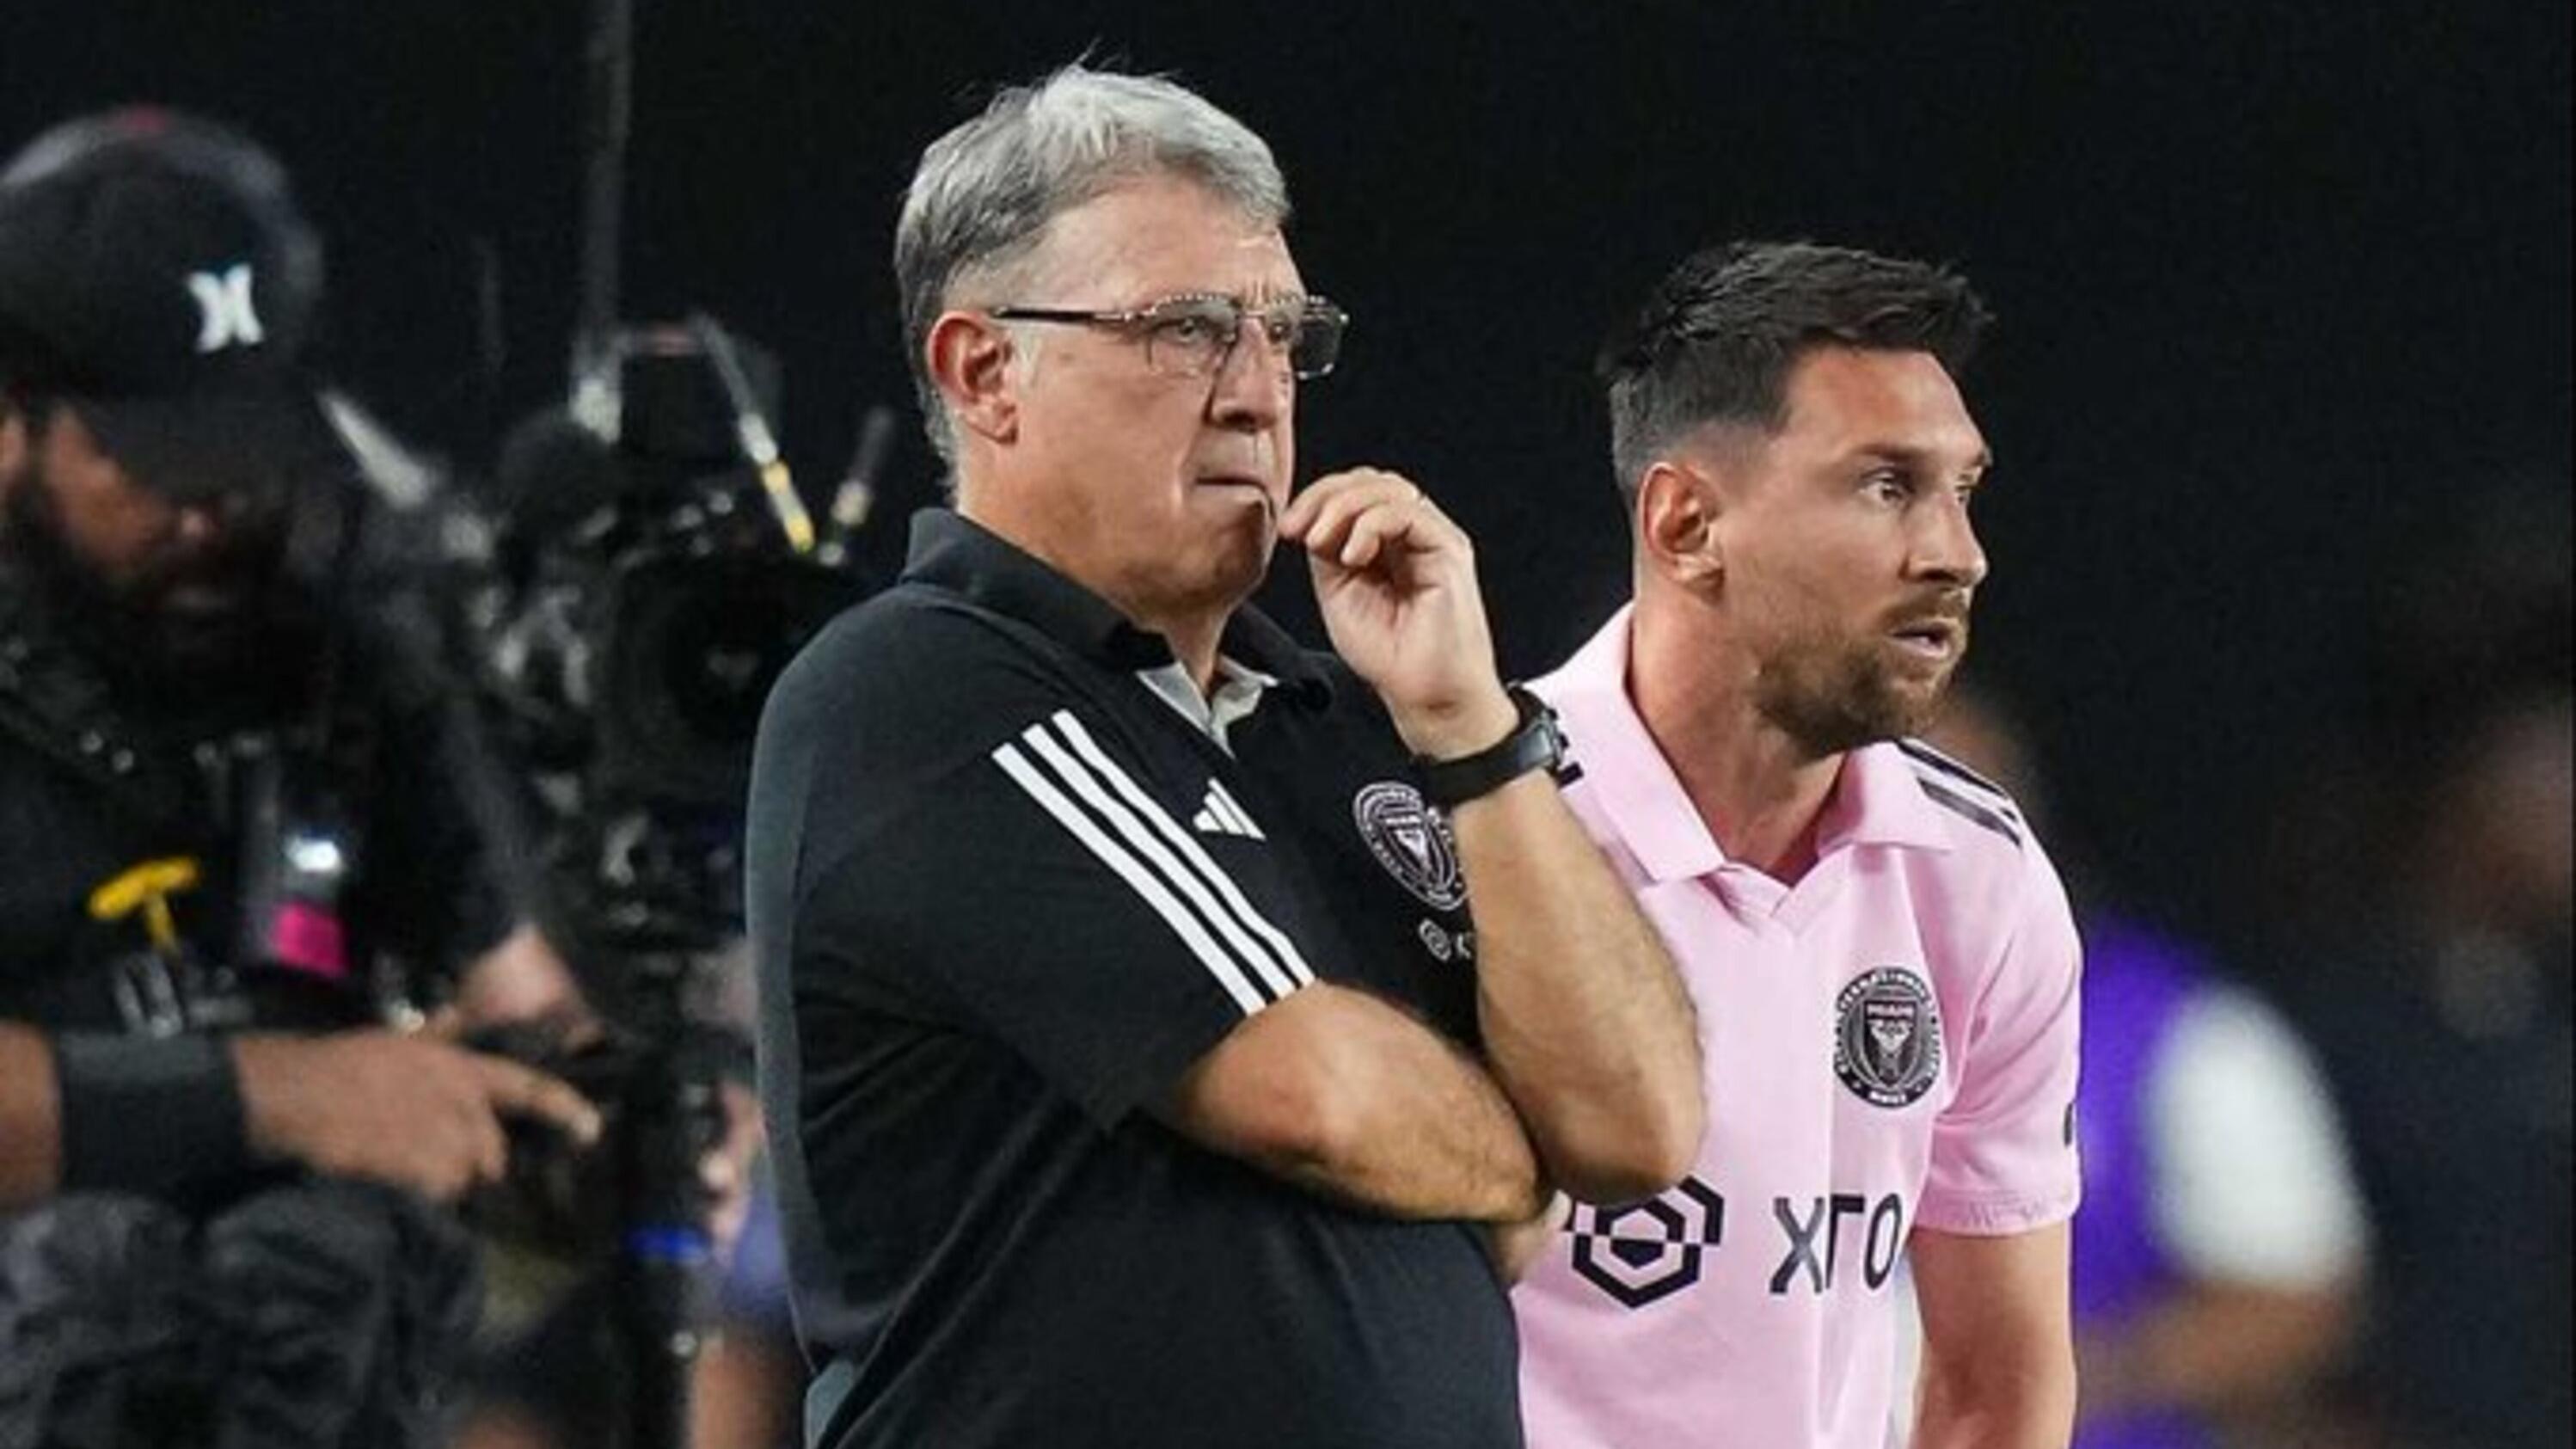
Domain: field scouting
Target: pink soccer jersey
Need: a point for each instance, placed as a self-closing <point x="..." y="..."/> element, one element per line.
<point x="1891" y="1043"/>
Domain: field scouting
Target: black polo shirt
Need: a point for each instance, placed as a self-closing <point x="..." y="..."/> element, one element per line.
<point x="1002" y="895"/>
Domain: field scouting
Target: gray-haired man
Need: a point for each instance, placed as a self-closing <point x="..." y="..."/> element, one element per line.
<point x="1142" y="1072"/>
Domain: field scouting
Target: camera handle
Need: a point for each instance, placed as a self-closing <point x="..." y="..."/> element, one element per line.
<point x="665" y="1258"/>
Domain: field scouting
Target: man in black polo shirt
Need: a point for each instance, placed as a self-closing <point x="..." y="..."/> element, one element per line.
<point x="1141" y="1070"/>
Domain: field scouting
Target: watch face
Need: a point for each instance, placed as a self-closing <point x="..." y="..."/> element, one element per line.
<point x="1553" y="731"/>
<point x="1539" y="719"/>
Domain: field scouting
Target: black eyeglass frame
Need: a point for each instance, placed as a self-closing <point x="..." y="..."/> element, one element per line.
<point x="1139" y="323"/>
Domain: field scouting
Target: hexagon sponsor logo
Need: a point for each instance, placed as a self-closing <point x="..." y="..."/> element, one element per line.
<point x="1643" y="1252"/>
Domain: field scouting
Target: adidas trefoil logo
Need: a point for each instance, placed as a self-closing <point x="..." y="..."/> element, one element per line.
<point x="1219" y="815"/>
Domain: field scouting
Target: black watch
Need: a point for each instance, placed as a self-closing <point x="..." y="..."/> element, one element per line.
<point x="1534" y="744"/>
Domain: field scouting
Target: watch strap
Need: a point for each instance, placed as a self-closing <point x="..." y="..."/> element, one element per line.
<point x="1535" y="743"/>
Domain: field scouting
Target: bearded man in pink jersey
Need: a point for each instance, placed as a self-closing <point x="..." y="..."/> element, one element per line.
<point x="1881" y="955"/>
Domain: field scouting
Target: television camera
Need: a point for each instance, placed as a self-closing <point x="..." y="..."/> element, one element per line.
<point x="646" y="570"/>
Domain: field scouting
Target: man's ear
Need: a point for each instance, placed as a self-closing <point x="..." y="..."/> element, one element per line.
<point x="969" y="357"/>
<point x="1677" y="514"/>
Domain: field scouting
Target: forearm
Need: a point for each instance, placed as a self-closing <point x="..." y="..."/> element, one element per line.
<point x="1434" y="1137"/>
<point x="1998" y="1344"/>
<point x="2214" y="1346"/>
<point x="1998" y="1404"/>
<point x="1350" y="1098"/>
<point x="108" y="1112"/>
<point x="1584" y="1019"/>
<point x="30" y="1119"/>
<point x="1586" y="1022"/>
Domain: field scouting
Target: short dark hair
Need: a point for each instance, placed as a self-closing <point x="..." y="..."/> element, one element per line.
<point x="1716" y="340"/>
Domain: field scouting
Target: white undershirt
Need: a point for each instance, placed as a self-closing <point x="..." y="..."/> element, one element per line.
<point x="1237" y="694"/>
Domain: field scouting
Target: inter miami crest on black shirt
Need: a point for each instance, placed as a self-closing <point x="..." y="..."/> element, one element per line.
<point x="1005" y="895"/>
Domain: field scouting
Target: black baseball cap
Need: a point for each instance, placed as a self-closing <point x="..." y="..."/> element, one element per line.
<point x="156" y="275"/>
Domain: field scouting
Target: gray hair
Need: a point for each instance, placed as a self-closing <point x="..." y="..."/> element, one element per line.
<point x="982" y="198"/>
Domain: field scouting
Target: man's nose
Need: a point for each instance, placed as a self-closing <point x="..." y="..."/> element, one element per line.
<point x="1946" y="547"/>
<point x="1254" y="386"/>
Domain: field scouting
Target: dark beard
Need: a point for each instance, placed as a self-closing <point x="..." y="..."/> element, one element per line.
<point x="1841" y="697"/>
<point x="249" y="665"/>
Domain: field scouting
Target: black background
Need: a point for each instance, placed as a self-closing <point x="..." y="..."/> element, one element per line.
<point x="2283" y="286"/>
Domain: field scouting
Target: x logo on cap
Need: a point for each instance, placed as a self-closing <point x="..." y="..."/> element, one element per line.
<point x="223" y="298"/>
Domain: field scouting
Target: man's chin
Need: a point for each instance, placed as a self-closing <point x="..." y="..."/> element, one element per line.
<point x="1237" y="579"/>
<point x="1889" y="709"/>
<point x="1226" y="576"/>
<point x="1905" y="710"/>
<point x="1242" y="550"/>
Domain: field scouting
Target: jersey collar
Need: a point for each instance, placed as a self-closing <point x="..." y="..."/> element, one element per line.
<point x="952" y="552"/>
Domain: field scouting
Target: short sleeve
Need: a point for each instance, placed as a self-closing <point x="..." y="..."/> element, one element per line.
<point x="1035" y="888"/>
<point x="2003" y="1151"/>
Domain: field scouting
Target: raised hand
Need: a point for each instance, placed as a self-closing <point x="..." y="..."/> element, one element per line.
<point x="1396" y="582"/>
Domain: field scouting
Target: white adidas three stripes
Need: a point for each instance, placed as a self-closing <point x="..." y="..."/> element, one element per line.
<point x="1065" y="771"/>
<point x="1219" y="815"/>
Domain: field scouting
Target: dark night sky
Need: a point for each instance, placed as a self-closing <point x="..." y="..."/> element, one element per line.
<point x="2280" y="284"/>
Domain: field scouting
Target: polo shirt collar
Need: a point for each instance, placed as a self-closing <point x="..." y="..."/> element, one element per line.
<point x="1259" y="646"/>
<point x="1878" y="800"/>
<point x="953" y="552"/>
<point x="1875" y="800"/>
<point x="1237" y="694"/>
<point x="1640" y="795"/>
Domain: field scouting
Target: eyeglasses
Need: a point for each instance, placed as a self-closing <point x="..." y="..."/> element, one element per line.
<point x="1193" y="335"/>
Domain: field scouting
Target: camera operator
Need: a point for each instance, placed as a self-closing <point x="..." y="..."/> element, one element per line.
<point x="237" y="822"/>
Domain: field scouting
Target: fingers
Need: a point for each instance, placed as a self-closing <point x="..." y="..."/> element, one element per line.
<point x="1370" y="533"/>
<point x="482" y="1093"/>
<point x="475" y="1148"/>
<point x="719" y="1175"/>
<point x="454" y="1140"/>
<point x="1352" y="518"/>
<point x="438" y="1140"/>
<point x="726" y="1171"/>
<point x="1337" y="494"/>
<point x="403" y="1109"/>
<point x="516" y="1091"/>
<point x="488" y="1148"/>
<point x="742" y="1124"/>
